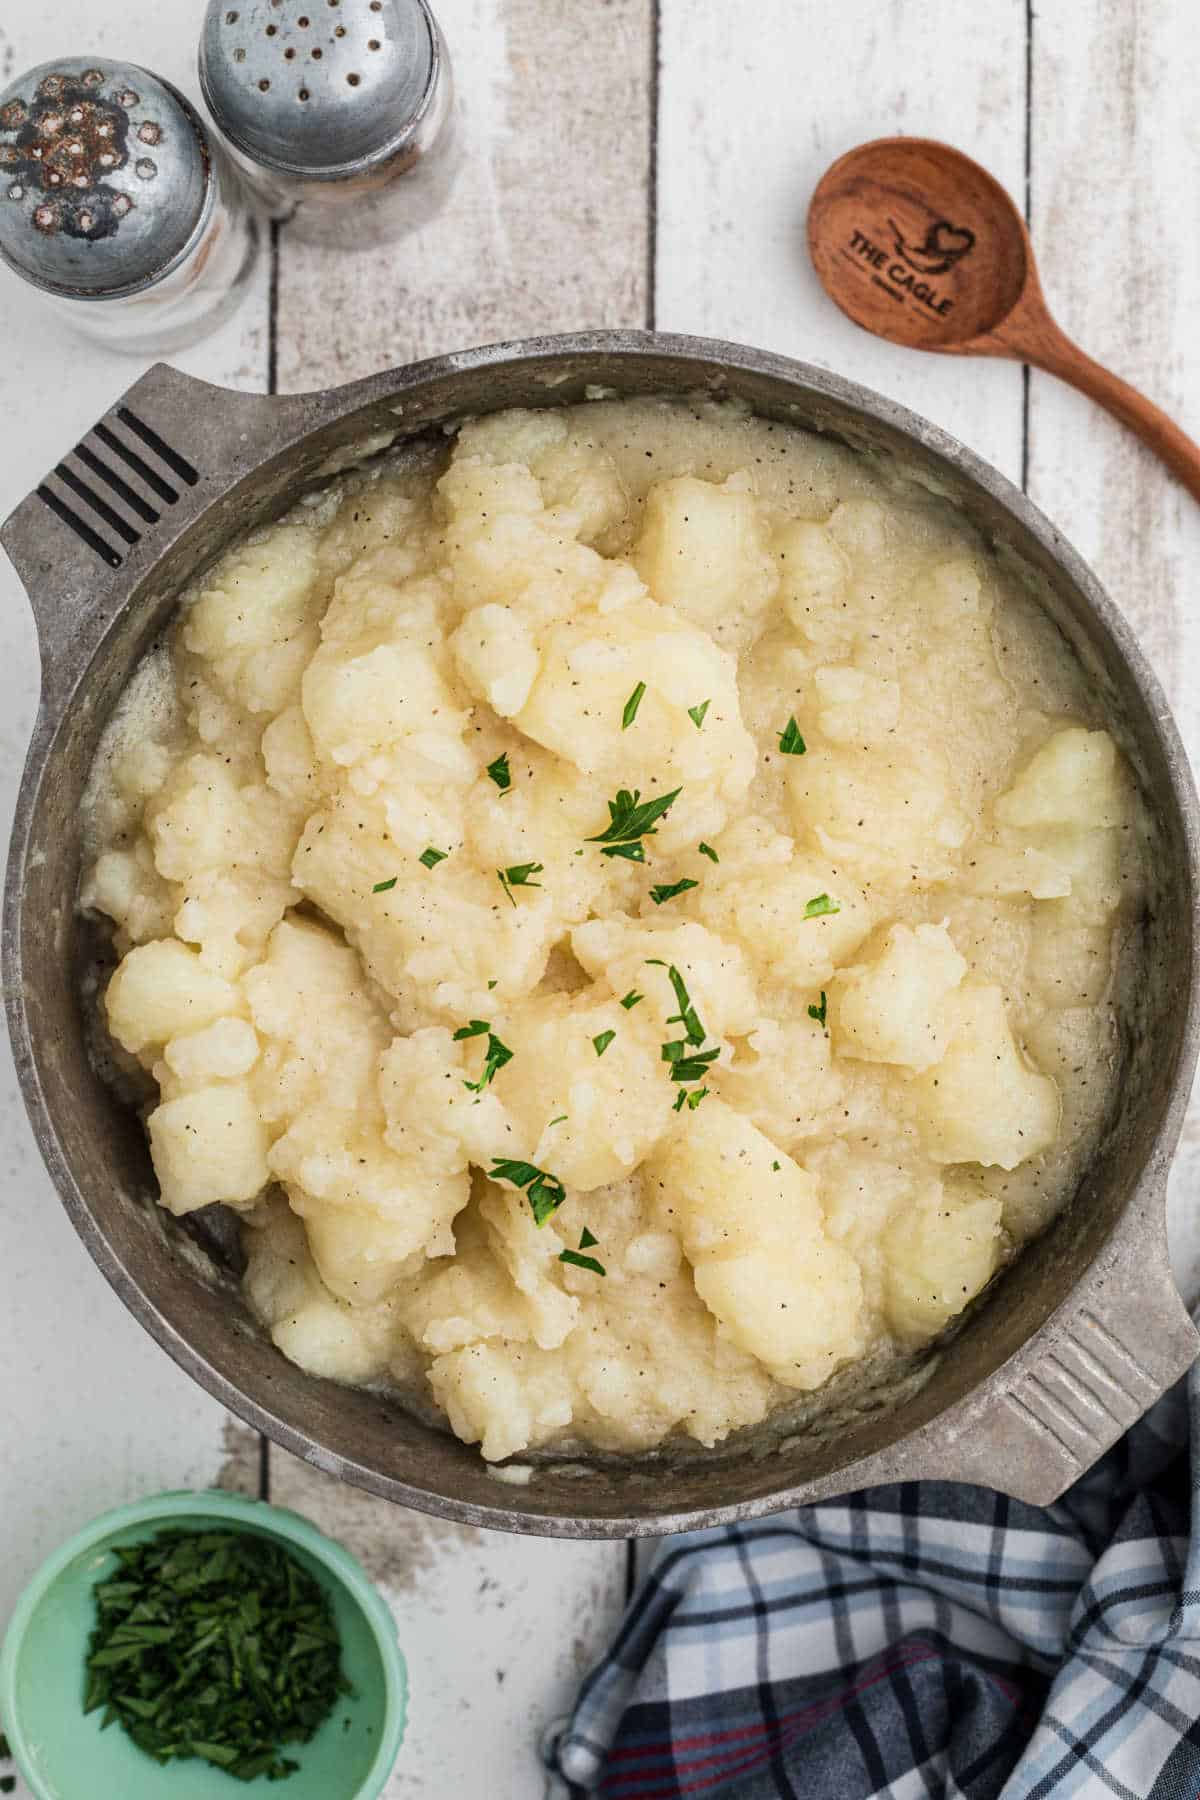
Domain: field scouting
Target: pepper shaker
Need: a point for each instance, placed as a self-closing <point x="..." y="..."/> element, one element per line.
<point x="117" y="205"/>
<point x="339" y="113"/>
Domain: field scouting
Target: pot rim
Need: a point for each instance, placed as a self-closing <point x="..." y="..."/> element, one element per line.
<point x="1140" y="1222"/>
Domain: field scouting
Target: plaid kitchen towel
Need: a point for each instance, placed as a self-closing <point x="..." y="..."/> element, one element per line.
<point x="926" y="1639"/>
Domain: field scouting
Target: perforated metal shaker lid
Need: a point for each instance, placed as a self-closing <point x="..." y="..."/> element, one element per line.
<point x="318" y="88"/>
<point x="105" y="177"/>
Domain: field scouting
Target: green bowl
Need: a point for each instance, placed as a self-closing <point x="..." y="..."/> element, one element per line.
<point x="64" y="1755"/>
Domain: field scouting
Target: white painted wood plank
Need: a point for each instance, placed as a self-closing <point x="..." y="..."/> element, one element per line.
<point x="757" y="98"/>
<point x="497" y="1632"/>
<point x="546" y="229"/>
<point x="95" y="1414"/>
<point x="1116" y="185"/>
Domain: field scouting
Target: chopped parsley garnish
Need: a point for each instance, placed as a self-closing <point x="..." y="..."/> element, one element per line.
<point x="518" y="876"/>
<point x="500" y="773"/>
<point x="492" y="984"/>
<point x="630" y="818"/>
<point x="214" y="1644"/>
<point x="819" y="905"/>
<point x="818" y="1012"/>
<point x="775" y="1166"/>
<point x="631" y="706"/>
<point x="631" y="999"/>
<point x="667" y="890"/>
<point x="707" y="850"/>
<point x="601" y="1042"/>
<point x="582" y="1262"/>
<point x="494" y="1060"/>
<point x="685" y="1067"/>
<point x="545" y="1192"/>
<point x="687" y="1016"/>
<point x="696" y="713"/>
<point x="693" y="1099"/>
<point x="384" y="887"/>
<point x="790" y="741"/>
<point x="561" y="1119"/>
<point x="586" y="1242"/>
<point x="688" y="1063"/>
<point x="431" y="857"/>
<point x="496" y="1056"/>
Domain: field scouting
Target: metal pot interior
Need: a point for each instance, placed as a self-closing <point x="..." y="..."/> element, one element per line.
<point x="181" y="1280"/>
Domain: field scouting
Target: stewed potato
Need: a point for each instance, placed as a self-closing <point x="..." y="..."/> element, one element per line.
<point x="627" y="907"/>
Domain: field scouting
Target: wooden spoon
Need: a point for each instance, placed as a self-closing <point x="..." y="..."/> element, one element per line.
<point x="920" y="245"/>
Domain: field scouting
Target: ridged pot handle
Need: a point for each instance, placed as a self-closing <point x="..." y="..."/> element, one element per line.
<point x="1081" y="1383"/>
<point x="146" y="471"/>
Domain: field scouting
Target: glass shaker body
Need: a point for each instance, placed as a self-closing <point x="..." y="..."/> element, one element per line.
<point x="204" y="288"/>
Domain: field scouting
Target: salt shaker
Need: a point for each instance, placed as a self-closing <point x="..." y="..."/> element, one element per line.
<point x="340" y="113"/>
<point x="115" y="202"/>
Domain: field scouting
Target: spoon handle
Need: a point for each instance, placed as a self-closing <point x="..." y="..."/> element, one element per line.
<point x="1059" y="356"/>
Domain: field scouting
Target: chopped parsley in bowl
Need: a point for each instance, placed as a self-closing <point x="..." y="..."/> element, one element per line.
<point x="194" y="1642"/>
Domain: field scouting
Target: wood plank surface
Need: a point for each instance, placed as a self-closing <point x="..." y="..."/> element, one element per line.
<point x="94" y="1413"/>
<point x="546" y="229"/>
<point x="497" y="1632"/>
<point x="756" y="101"/>
<point x="1115" y="190"/>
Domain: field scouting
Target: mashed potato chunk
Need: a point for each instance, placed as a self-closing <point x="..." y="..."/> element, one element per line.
<point x="750" y="1224"/>
<point x="892" y="1009"/>
<point x="626" y="906"/>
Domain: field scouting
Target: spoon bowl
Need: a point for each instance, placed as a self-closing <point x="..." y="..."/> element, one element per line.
<point x="918" y="244"/>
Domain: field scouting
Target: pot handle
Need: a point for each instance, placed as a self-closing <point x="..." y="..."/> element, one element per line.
<point x="143" y="473"/>
<point x="1091" y="1376"/>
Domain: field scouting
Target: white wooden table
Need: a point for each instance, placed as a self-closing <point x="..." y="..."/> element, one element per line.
<point x="636" y="162"/>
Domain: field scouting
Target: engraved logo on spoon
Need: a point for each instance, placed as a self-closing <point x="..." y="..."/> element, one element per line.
<point x="945" y="244"/>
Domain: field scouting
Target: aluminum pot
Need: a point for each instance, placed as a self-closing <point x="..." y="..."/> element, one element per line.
<point x="1063" y="1353"/>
